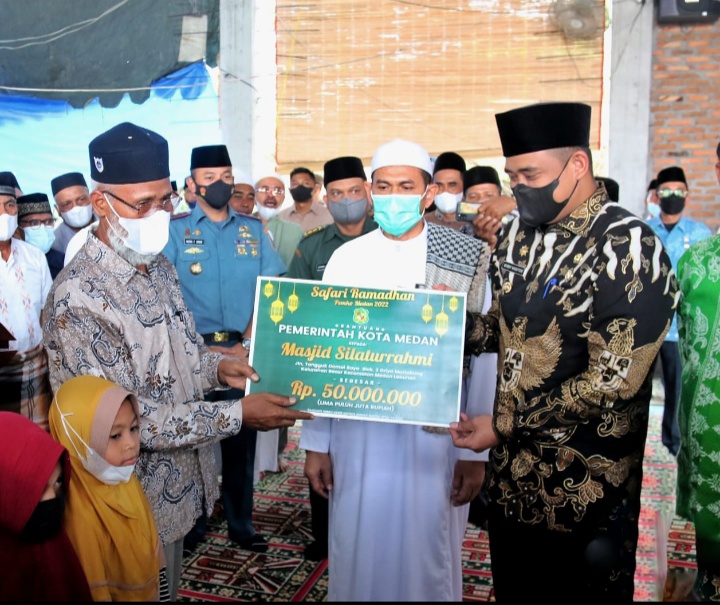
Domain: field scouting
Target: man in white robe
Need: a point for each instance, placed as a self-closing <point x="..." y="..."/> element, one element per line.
<point x="398" y="493"/>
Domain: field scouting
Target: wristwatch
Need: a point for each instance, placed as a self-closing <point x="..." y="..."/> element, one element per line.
<point x="246" y="343"/>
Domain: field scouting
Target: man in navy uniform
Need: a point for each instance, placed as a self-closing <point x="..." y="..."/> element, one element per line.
<point x="218" y="255"/>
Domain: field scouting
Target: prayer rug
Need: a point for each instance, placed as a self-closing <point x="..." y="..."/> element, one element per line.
<point x="219" y="571"/>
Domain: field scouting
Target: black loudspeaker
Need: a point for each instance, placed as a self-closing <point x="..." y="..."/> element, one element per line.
<point x="687" y="11"/>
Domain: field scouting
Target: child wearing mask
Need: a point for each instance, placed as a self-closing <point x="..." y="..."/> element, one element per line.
<point x="108" y="518"/>
<point x="37" y="559"/>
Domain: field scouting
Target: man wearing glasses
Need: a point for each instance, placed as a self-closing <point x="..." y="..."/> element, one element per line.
<point x="269" y="198"/>
<point x="118" y="312"/>
<point x="284" y="235"/>
<point x="24" y="285"/>
<point x="36" y="220"/>
<point x="677" y="232"/>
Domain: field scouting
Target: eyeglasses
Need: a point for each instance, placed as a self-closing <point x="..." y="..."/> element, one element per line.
<point x="48" y="222"/>
<point x="669" y="192"/>
<point x="274" y="190"/>
<point x="168" y="204"/>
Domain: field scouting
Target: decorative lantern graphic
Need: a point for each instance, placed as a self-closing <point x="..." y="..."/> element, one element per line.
<point x="453" y="304"/>
<point x="276" y="308"/>
<point x="441" y="320"/>
<point x="268" y="290"/>
<point x="293" y="301"/>
<point x="427" y="310"/>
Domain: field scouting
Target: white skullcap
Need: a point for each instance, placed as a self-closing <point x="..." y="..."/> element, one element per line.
<point x="401" y="153"/>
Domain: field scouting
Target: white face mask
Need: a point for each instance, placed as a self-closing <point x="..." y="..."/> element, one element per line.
<point x="147" y="235"/>
<point x="78" y="216"/>
<point x="8" y="226"/>
<point x="447" y="202"/>
<point x="267" y="213"/>
<point x="94" y="463"/>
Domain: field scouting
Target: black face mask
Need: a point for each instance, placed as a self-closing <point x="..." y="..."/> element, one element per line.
<point x="672" y="204"/>
<point x="301" y="193"/>
<point x="45" y="521"/>
<point x="536" y="205"/>
<point x="216" y="194"/>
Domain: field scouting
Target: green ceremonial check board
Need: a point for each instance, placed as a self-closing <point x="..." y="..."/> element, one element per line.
<point x="361" y="353"/>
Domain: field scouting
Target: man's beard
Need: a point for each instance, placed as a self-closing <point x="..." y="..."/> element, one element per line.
<point x="128" y="254"/>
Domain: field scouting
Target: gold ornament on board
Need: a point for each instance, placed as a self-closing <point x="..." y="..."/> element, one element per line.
<point x="293" y="301"/>
<point x="442" y="320"/>
<point x="277" y="308"/>
<point x="427" y="310"/>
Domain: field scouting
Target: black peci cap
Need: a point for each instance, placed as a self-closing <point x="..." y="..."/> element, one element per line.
<point x="210" y="156"/>
<point x="128" y="154"/>
<point x="7" y="179"/>
<point x="479" y="175"/>
<point x="673" y="173"/>
<point x="544" y="126"/>
<point x="33" y="203"/>
<point x="70" y="179"/>
<point x="346" y="167"/>
<point x="449" y="160"/>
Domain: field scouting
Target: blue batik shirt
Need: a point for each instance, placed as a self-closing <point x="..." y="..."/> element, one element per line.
<point x="685" y="233"/>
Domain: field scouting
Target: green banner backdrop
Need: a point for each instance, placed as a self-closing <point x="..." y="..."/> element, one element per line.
<point x="362" y="353"/>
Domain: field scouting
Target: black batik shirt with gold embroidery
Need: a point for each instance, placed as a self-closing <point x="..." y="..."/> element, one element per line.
<point x="579" y="312"/>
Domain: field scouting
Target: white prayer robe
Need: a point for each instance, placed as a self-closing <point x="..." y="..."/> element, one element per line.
<point x="394" y="534"/>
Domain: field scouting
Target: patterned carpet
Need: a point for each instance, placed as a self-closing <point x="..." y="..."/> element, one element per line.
<point x="217" y="571"/>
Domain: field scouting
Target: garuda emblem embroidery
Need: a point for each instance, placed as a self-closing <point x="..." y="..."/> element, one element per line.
<point x="518" y="376"/>
<point x="622" y="369"/>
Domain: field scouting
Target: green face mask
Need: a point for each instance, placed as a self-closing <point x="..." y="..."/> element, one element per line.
<point x="396" y="213"/>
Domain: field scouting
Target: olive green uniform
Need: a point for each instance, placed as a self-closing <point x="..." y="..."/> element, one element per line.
<point x="317" y="246"/>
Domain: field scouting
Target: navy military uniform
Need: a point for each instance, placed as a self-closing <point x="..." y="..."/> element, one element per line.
<point x="317" y="246"/>
<point x="218" y="265"/>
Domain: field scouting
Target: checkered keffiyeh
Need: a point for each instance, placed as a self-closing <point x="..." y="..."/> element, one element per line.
<point x="458" y="261"/>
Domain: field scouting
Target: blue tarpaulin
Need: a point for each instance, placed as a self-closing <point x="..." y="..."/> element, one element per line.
<point x="41" y="139"/>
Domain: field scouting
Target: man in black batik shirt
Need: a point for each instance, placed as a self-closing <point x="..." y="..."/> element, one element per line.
<point x="583" y="295"/>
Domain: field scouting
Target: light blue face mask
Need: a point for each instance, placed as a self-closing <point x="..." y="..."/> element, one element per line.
<point x="396" y="213"/>
<point x="653" y="210"/>
<point x="41" y="237"/>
